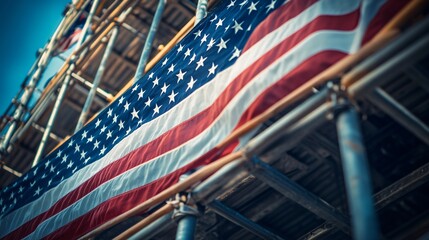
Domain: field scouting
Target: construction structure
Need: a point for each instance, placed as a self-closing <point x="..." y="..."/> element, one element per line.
<point x="292" y="180"/>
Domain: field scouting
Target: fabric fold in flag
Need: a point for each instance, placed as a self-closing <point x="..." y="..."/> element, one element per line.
<point x="238" y="61"/>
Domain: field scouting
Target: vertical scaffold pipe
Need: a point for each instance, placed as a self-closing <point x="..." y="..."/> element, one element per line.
<point x="356" y="175"/>
<point x="87" y="24"/>
<point x="29" y="89"/>
<point x="186" y="217"/>
<point x="64" y="87"/>
<point x="100" y="71"/>
<point x="201" y="11"/>
<point x="149" y="41"/>
<point x="86" y="107"/>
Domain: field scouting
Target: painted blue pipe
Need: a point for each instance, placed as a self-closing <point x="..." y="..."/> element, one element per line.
<point x="186" y="218"/>
<point x="356" y="175"/>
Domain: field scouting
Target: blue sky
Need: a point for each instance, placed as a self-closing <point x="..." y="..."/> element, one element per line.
<point x="26" y="26"/>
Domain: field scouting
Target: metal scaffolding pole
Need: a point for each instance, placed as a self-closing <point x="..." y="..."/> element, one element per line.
<point x="201" y="11"/>
<point x="399" y="113"/>
<point x="385" y="54"/>
<point x="154" y="228"/>
<point x="99" y="91"/>
<point x="100" y="71"/>
<point x="290" y="125"/>
<point x="149" y="41"/>
<point x="64" y="87"/>
<point x="298" y="194"/>
<point x="242" y="221"/>
<point x="186" y="217"/>
<point x="392" y="67"/>
<point x="9" y="169"/>
<point x="276" y="131"/>
<point x="35" y="115"/>
<point x="53" y="116"/>
<point x="222" y="180"/>
<point x="86" y="107"/>
<point x="356" y="175"/>
<point x="20" y="92"/>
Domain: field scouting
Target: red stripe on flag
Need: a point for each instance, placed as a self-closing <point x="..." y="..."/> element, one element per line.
<point x="384" y="14"/>
<point x="290" y="82"/>
<point x="276" y="19"/>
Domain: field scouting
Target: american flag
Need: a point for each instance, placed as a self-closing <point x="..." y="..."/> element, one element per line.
<point x="243" y="57"/>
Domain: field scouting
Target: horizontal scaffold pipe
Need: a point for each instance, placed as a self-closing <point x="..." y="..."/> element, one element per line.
<point x="298" y="194"/>
<point x="164" y="210"/>
<point x="10" y="170"/>
<point x="405" y="16"/>
<point x="399" y="113"/>
<point x="287" y="125"/>
<point x="403" y="41"/>
<point x="392" y="67"/>
<point x="242" y="221"/>
<point x="154" y="228"/>
<point x="296" y="132"/>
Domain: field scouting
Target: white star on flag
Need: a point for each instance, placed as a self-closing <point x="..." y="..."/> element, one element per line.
<point x="135" y="113"/>
<point x="200" y="63"/>
<point x="172" y="96"/>
<point x="156" y="109"/>
<point x="180" y="75"/>
<point x="191" y="84"/>
<point x="222" y="44"/>
<point x="237" y="27"/>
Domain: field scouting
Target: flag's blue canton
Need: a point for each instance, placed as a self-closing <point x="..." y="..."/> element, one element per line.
<point x="213" y="45"/>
